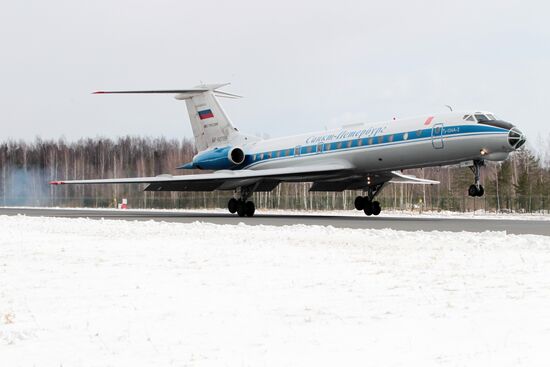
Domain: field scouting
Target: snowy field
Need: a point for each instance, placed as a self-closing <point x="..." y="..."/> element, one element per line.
<point x="78" y="292"/>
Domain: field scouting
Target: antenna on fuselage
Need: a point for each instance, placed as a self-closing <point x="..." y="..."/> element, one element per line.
<point x="449" y="107"/>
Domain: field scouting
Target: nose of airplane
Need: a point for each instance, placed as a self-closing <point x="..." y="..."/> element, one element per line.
<point x="516" y="138"/>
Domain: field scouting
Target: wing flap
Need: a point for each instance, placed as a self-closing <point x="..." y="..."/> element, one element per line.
<point x="398" y="177"/>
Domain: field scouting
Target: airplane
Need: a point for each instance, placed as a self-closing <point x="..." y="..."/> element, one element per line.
<point x="363" y="156"/>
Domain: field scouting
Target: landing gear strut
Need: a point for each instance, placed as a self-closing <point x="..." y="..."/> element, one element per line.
<point x="241" y="206"/>
<point x="366" y="204"/>
<point x="476" y="189"/>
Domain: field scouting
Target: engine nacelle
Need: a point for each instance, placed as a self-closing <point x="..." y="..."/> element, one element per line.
<point x="219" y="158"/>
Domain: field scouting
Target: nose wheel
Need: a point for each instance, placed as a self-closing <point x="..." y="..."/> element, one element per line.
<point x="476" y="190"/>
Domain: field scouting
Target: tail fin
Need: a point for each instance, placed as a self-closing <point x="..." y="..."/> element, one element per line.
<point x="211" y="125"/>
<point x="209" y="122"/>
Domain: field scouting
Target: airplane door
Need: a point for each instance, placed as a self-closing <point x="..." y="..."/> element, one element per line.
<point x="437" y="136"/>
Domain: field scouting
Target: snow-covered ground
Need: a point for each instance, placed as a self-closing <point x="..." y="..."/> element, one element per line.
<point x="78" y="292"/>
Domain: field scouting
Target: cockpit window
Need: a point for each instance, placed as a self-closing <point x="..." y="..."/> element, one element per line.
<point x="491" y="117"/>
<point x="468" y="118"/>
<point x="482" y="118"/>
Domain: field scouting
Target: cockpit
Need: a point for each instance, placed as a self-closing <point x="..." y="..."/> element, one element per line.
<point x="480" y="117"/>
<point x="515" y="137"/>
<point x="487" y="118"/>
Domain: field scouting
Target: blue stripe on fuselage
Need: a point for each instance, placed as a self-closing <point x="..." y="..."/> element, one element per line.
<point x="386" y="140"/>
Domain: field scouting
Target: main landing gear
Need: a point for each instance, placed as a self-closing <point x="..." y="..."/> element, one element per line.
<point x="476" y="189"/>
<point x="241" y="206"/>
<point x="366" y="203"/>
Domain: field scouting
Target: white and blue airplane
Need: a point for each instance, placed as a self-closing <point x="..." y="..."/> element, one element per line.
<point x="364" y="156"/>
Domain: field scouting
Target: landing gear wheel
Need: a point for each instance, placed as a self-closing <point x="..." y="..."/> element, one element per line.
<point x="359" y="203"/>
<point x="232" y="205"/>
<point x="249" y="208"/>
<point x="376" y="209"/>
<point x="368" y="207"/>
<point x="474" y="191"/>
<point x="480" y="191"/>
<point x="241" y="209"/>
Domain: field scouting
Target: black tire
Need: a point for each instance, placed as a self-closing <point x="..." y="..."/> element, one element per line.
<point x="368" y="207"/>
<point x="249" y="208"/>
<point x="472" y="190"/>
<point x="232" y="205"/>
<point x="481" y="191"/>
<point x="359" y="203"/>
<point x="376" y="208"/>
<point x="241" y="208"/>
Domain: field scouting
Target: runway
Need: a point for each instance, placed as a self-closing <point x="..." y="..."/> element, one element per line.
<point x="538" y="227"/>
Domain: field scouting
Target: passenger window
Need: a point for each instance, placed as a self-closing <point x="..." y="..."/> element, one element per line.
<point x="418" y="132"/>
<point x="327" y="147"/>
<point x="390" y="138"/>
<point x="309" y="149"/>
<point x="349" y="143"/>
<point x="405" y="136"/>
<point x="289" y="152"/>
<point x="339" y="145"/>
<point x="297" y="151"/>
<point x="380" y="139"/>
<point x="370" y="141"/>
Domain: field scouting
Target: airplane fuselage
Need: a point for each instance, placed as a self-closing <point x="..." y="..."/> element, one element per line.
<point x="436" y="140"/>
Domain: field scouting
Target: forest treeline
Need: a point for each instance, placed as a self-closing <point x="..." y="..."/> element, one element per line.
<point x="521" y="183"/>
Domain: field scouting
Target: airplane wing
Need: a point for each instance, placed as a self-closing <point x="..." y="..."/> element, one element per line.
<point x="399" y="177"/>
<point x="265" y="180"/>
<point x="362" y="182"/>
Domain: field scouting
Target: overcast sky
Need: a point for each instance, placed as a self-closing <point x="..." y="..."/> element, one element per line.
<point x="301" y="65"/>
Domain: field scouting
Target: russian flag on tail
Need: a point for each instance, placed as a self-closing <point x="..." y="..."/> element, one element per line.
<point x="205" y="114"/>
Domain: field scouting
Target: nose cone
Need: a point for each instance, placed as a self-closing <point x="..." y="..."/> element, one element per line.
<point x="516" y="138"/>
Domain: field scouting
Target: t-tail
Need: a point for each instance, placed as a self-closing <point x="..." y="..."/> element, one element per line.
<point x="211" y="126"/>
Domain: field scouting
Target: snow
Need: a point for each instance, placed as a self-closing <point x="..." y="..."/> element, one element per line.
<point x="80" y="292"/>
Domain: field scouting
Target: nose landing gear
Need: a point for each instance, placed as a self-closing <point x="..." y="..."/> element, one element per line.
<point x="476" y="189"/>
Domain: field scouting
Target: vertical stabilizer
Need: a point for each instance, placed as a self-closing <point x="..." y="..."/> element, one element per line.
<point x="210" y="124"/>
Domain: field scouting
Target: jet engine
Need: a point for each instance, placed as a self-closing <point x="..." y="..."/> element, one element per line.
<point x="218" y="158"/>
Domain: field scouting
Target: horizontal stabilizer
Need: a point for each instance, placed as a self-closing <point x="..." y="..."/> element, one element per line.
<point x="181" y="93"/>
